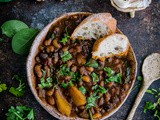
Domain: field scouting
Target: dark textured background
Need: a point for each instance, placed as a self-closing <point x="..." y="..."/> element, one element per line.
<point x="142" y="31"/>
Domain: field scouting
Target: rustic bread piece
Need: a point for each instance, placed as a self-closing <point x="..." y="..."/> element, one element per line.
<point x="94" y="27"/>
<point x="113" y="45"/>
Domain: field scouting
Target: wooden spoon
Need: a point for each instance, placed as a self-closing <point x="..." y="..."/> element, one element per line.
<point x="151" y="72"/>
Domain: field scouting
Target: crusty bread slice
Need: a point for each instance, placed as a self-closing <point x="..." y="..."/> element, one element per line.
<point x="94" y="27"/>
<point x="109" y="46"/>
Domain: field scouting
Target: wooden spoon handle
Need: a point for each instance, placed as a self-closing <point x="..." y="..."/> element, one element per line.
<point x="138" y="100"/>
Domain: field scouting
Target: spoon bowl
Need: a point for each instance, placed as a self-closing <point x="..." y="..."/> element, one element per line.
<point x="151" y="72"/>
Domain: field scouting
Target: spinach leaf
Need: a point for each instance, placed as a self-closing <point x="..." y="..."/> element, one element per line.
<point x="95" y="77"/>
<point x="83" y="89"/>
<point x="11" y="27"/>
<point x="92" y="63"/>
<point x="66" y="56"/>
<point x="22" y="40"/>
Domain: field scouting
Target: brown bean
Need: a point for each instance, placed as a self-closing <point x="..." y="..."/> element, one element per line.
<point x="50" y="92"/>
<point x="78" y="49"/>
<point x="41" y="47"/>
<point x="50" y="49"/>
<point x="101" y="83"/>
<point x="110" y="84"/>
<point x="74" y="68"/>
<point x="47" y="42"/>
<point x="38" y="70"/>
<point x="114" y="100"/>
<point x="80" y="83"/>
<point x="117" y="91"/>
<point x="42" y="93"/>
<point x="48" y="72"/>
<point x="83" y="70"/>
<point x="50" y="62"/>
<point x="56" y="58"/>
<point x="81" y="107"/>
<point x="65" y="48"/>
<point x="107" y="97"/>
<point x="96" y="115"/>
<point x="56" y="44"/>
<point x="112" y="91"/>
<point x="69" y="63"/>
<point x="101" y="101"/>
<point x="67" y="78"/>
<point x="71" y="50"/>
<point x="50" y="100"/>
<point x="116" y="61"/>
<point x="37" y="59"/>
<point x="126" y="87"/>
<point x="43" y="56"/>
<point x="81" y="59"/>
<point x="89" y="69"/>
<point x="86" y="78"/>
<point x="84" y="114"/>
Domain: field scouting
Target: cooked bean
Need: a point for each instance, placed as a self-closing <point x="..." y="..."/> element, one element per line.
<point x="110" y="84"/>
<point x="83" y="70"/>
<point x="56" y="44"/>
<point x="71" y="50"/>
<point x="114" y="100"/>
<point x="74" y="68"/>
<point x="117" y="91"/>
<point x="84" y="114"/>
<point x="81" y="107"/>
<point x="126" y="86"/>
<point x="112" y="91"/>
<point x="42" y="93"/>
<point x="47" y="42"/>
<point x="41" y="47"/>
<point x="50" y="49"/>
<point x="50" y="92"/>
<point x="50" y="62"/>
<point x="67" y="78"/>
<point x="78" y="49"/>
<point x="37" y="59"/>
<point x="56" y="58"/>
<point x="80" y="83"/>
<point x="86" y="78"/>
<point x="81" y="59"/>
<point x="116" y="61"/>
<point x="47" y="69"/>
<point x="101" y="83"/>
<point x="43" y="56"/>
<point x="50" y="100"/>
<point x="101" y="101"/>
<point x="69" y="63"/>
<point x="89" y="69"/>
<point x="64" y="48"/>
<point x="96" y="115"/>
<point x="107" y="97"/>
<point x="38" y="70"/>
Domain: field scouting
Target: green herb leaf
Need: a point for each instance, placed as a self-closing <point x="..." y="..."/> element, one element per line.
<point x="109" y="71"/>
<point x="95" y="77"/>
<point x="150" y="92"/>
<point x="90" y="102"/>
<point x="20" y="113"/>
<point x="64" y="85"/>
<point x="65" y="39"/>
<point x="92" y="63"/>
<point x="149" y="106"/>
<point x="83" y="90"/>
<point x="76" y="76"/>
<point x="23" y="39"/>
<point x="139" y="78"/>
<point x="17" y="91"/>
<point x="3" y="87"/>
<point x="66" y="56"/>
<point x="64" y="70"/>
<point x="100" y="89"/>
<point x="116" y="78"/>
<point x="11" y="27"/>
<point x="90" y="115"/>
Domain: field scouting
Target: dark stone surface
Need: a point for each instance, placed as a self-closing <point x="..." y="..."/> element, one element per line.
<point x="142" y="31"/>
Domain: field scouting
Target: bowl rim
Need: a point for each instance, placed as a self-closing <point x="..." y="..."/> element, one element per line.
<point x="31" y="77"/>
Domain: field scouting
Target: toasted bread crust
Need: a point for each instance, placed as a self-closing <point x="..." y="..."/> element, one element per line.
<point x="98" y="42"/>
<point x="105" y="18"/>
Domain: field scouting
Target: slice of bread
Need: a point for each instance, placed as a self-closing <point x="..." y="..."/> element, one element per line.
<point x="109" y="46"/>
<point x="95" y="26"/>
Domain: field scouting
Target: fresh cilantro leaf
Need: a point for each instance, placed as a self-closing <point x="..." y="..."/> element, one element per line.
<point x="149" y="106"/>
<point x="66" y="56"/>
<point x="150" y="92"/>
<point x="76" y="76"/>
<point x="64" y="70"/>
<point x="20" y="113"/>
<point x="92" y="63"/>
<point x="83" y="89"/>
<point x="91" y="101"/>
<point x="109" y="71"/>
<point x="46" y="83"/>
<point x="3" y="87"/>
<point x="65" y="39"/>
<point x="64" y="85"/>
<point x="116" y="78"/>
<point x="95" y="77"/>
<point x="19" y="91"/>
<point x="157" y="114"/>
<point x="139" y="78"/>
<point x="100" y="89"/>
<point x="94" y="87"/>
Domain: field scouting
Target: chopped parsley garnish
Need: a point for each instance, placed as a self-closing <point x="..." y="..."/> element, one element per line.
<point x="3" y="87"/>
<point x="20" y="113"/>
<point x="83" y="89"/>
<point x="64" y="70"/>
<point x="139" y="78"/>
<point x="65" y="39"/>
<point x="92" y="63"/>
<point x="109" y="71"/>
<point x="116" y="78"/>
<point x="17" y="91"/>
<point x="45" y="83"/>
<point x="66" y="56"/>
<point x="95" y="77"/>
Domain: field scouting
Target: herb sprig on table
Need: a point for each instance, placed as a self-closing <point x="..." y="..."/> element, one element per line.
<point x="3" y="87"/>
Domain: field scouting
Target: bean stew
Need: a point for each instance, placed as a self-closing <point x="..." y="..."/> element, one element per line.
<point x="68" y="79"/>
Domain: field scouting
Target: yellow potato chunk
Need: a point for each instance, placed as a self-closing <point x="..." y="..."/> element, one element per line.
<point x="63" y="106"/>
<point x="77" y="96"/>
